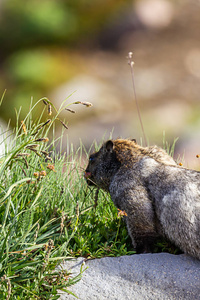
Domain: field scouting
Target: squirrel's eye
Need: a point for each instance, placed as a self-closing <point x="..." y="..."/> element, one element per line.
<point x="91" y="159"/>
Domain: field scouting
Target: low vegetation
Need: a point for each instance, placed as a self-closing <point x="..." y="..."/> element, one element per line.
<point x="47" y="212"/>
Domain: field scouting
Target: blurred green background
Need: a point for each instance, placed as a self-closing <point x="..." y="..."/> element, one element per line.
<point x="41" y="42"/>
<point x="52" y="48"/>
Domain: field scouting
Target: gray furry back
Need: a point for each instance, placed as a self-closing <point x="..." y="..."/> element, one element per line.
<point x="175" y="193"/>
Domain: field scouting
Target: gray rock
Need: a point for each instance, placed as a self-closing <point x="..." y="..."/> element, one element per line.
<point x="145" y="276"/>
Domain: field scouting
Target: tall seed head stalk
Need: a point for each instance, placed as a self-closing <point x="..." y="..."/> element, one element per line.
<point x="131" y="63"/>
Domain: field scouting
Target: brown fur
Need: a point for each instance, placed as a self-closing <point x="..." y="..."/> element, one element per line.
<point x="128" y="152"/>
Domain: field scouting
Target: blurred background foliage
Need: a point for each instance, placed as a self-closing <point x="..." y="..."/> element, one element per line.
<point x="39" y="40"/>
<point x="52" y="48"/>
<point x="65" y="22"/>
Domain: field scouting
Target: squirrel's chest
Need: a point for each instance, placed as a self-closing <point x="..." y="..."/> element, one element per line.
<point x="124" y="189"/>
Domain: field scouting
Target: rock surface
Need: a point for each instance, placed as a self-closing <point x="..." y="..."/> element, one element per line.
<point x="145" y="276"/>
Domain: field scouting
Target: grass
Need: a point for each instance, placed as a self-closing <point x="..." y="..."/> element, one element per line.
<point x="47" y="212"/>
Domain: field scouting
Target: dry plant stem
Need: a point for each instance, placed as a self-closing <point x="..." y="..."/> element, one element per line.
<point x="36" y="233"/>
<point x="77" y="209"/>
<point x="5" y="278"/>
<point x="131" y="63"/>
<point x="9" y="289"/>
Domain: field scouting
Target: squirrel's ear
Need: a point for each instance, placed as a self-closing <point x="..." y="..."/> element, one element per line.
<point x="133" y="140"/>
<point x="109" y="146"/>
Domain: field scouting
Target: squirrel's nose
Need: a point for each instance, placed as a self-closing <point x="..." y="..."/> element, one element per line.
<point x="87" y="174"/>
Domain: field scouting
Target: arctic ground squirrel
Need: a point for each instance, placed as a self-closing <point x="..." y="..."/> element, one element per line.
<point x="159" y="197"/>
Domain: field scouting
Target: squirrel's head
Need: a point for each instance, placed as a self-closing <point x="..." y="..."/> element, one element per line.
<point x="102" y="166"/>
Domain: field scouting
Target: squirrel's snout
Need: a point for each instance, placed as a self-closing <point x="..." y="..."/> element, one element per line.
<point x="87" y="174"/>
